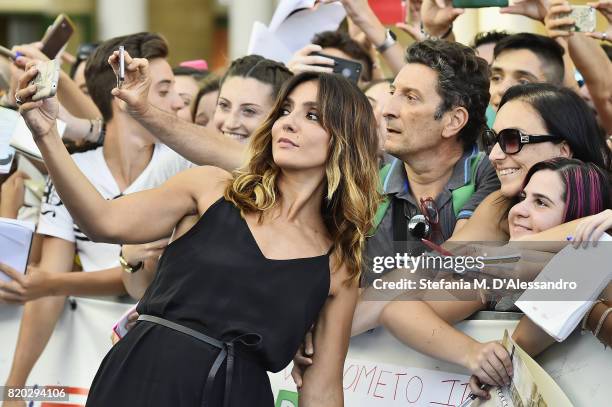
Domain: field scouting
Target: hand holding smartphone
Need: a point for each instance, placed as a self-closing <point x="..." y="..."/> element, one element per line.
<point x="46" y="80"/>
<point x="351" y="70"/>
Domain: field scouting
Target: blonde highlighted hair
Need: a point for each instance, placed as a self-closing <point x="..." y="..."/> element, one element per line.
<point x="352" y="196"/>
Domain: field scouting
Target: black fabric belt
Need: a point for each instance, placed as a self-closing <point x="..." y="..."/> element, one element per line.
<point x="226" y="352"/>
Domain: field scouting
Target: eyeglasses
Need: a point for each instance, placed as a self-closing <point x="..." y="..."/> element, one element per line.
<point x="429" y="209"/>
<point x="512" y="141"/>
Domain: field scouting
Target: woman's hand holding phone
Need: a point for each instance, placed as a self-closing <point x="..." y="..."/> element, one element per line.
<point x="605" y="8"/>
<point x="40" y="116"/>
<point x="135" y="87"/>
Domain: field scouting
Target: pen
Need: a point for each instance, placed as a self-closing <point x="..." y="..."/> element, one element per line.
<point x="472" y="397"/>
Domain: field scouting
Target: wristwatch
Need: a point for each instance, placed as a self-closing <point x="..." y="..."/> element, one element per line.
<point x="389" y="41"/>
<point x="127" y="267"/>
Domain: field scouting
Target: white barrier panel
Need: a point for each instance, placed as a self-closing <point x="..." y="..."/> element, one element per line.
<point x="379" y="370"/>
<point x="374" y="384"/>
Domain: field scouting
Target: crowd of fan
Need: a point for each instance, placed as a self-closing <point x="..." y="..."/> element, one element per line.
<point x="519" y="123"/>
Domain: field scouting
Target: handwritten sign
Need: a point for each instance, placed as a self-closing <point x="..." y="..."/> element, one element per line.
<point x="371" y="384"/>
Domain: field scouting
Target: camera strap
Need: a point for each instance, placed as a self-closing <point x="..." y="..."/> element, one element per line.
<point x="400" y="220"/>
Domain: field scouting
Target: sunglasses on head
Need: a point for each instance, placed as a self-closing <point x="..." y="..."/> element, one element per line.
<point x="511" y="141"/>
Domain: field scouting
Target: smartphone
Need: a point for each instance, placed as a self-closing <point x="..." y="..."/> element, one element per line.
<point x="57" y="36"/>
<point x="584" y="17"/>
<point x="389" y="12"/>
<point x="46" y="80"/>
<point x="120" y="327"/>
<point x="479" y="3"/>
<point x="351" y="70"/>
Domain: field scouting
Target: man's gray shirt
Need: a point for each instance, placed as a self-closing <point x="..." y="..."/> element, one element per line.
<point x="396" y="187"/>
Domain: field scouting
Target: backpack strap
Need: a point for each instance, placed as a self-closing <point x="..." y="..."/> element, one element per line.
<point x="384" y="205"/>
<point x="463" y="194"/>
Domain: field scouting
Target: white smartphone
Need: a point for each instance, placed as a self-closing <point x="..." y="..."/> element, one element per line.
<point x="584" y="17"/>
<point x="46" y="80"/>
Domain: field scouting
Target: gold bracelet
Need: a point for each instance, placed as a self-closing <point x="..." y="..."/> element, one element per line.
<point x="127" y="267"/>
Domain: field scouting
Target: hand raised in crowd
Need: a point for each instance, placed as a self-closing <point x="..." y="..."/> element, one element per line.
<point x="413" y="26"/>
<point x="302" y="61"/>
<point x="34" y="284"/>
<point x="136" y="253"/>
<point x="39" y="115"/>
<point x="555" y="26"/>
<point x="12" y="195"/>
<point x="490" y="364"/>
<point x="605" y="8"/>
<point x="31" y="51"/>
<point x="592" y="228"/>
<point x="534" y="9"/>
<point x="135" y="89"/>
<point x="438" y="16"/>
<point x="302" y="359"/>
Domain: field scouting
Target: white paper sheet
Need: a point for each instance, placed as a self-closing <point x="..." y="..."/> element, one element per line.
<point x="8" y="121"/>
<point x="298" y="29"/>
<point x="15" y="241"/>
<point x="265" y="43"/>
<point x="285" y="8"/>
<point x="34" y="190"/>
<point x="22" y="140"/>
<point x="560" y="318"/>
<point x="291" y="30"/>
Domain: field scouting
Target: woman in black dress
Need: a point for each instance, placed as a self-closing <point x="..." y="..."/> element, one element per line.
<point x="276" y="247"/>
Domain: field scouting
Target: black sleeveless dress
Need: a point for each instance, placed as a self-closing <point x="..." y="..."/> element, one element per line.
<point x="214" y="280"/>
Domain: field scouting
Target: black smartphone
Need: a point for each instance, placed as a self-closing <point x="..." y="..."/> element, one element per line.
<point x="351" y="70"/>
<point x="57" y="36"/>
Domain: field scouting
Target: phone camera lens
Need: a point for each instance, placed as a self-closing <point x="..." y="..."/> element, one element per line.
<point x="346" y="72"/>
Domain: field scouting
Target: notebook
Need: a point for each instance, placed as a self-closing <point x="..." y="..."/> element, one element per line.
<point x="560" y="318"/>
<point x="530" y="385"/>
<point x="15" y="243"/>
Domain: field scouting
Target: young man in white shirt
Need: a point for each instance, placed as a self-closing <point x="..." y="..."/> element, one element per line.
<point x="128" y="161"/>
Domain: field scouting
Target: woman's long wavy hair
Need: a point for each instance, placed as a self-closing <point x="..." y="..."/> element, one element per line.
<point x="352" y="195"/>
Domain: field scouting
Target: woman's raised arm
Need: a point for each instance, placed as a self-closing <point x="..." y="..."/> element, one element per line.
<point x="136" y="218"/>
